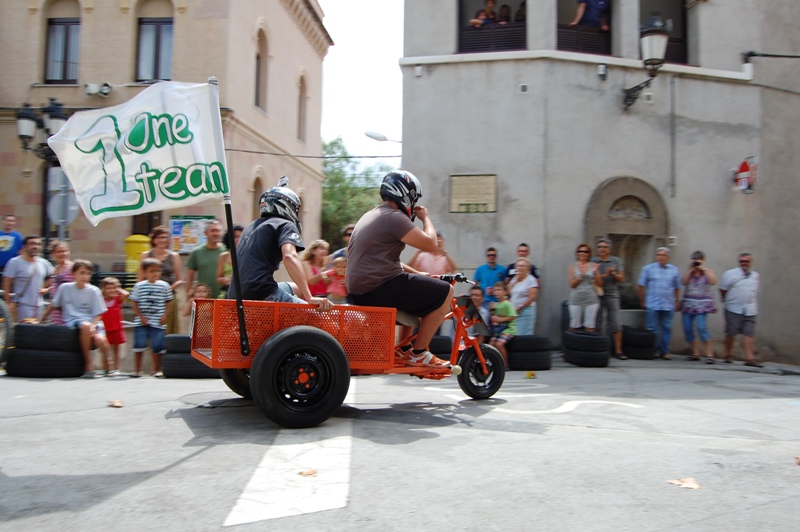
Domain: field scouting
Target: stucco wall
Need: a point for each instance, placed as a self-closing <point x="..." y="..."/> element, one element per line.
<point x="553" y="145"/>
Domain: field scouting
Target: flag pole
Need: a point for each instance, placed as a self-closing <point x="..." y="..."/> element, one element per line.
<point x="226" y="200"/>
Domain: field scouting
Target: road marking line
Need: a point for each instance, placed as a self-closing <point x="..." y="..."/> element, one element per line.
<point x="277" y="489"/>
<point x="569" y="406"/>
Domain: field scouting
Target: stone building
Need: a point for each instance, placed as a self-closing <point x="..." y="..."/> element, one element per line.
<point x="94" y="53"/>
<point x="519" y="134"/>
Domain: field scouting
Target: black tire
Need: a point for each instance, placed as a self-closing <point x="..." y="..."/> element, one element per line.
<point x="640" y="353"/>
<point x="638" y="337"/>
<point x="287" y="357"/>
<point x="47" y="337"/>
<point x="530" y="360"/>
<point x="238" y="380"/>
<point x="585" y="341"/>
<point x="441" y="345"/>
<point x="44" y="364"/>
<point x="586" y="359"/>
<point x="178" y="343"/>
<point x="6" y="330"/>
<point x="472" y="379"/>
<point x="185" y="366"/>
<point x="527" y="343"/>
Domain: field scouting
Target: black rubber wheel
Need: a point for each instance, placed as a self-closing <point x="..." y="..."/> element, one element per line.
<point x="638" y="337"/>
<point x="473" y="381"/>
<point x="6" y="330"/>
<point x="530" y="360"/>
<point x="238" y="380"/>
<point x="528" y="343"/>
<point x="44" y="364"/>
<point x="585" y="341"/>
<point x="300" y="377"/>
<point x="178" y="343"/>
<point x="586" y="359"/>
<point x="441" y="345"/>
<point x="47" y="337"/>
<point x="640" y="353"/>
<point x="185" y="366"/>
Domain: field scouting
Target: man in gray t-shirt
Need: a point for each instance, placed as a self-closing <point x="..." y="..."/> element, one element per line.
<point x="613" y="274"/>
<point x="25" y="276"/>
<point x="376" y="277"/>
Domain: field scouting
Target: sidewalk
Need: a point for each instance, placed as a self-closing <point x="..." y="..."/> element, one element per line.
<point x="679" y="361"/>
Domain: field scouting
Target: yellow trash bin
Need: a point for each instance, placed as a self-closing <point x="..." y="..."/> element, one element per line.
<point x="135" y="245"/>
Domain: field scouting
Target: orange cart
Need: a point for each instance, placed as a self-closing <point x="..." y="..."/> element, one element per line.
<point x="300" y="373"/>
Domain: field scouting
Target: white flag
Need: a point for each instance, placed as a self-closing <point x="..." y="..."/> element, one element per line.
<point x="160" y="150"/>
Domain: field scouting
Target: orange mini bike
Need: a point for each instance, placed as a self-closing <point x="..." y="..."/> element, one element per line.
<point x="300" y="373"/>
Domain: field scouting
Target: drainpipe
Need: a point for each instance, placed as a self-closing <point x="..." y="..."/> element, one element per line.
<point x="673" y="162"/>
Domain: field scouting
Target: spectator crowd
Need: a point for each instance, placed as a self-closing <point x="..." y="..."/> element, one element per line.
<point x="505" y="296"/>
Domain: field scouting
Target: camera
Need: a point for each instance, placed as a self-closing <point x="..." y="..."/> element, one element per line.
<point x="696" y="263"/>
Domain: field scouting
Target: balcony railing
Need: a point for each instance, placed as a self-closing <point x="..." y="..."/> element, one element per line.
<point x="492" y="38"/>
<point x="584" y="39"/>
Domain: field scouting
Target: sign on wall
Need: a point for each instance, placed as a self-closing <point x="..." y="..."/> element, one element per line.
<point x="187" y="232"/>
<point x="473" y="193"/>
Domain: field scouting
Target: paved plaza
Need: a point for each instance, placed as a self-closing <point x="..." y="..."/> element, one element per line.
<point x="571" y="449"/>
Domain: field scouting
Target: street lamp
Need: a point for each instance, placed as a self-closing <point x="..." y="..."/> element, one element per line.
<point x="380" y="137"/>
<point x="31" y="127"/>
<point x="653" y="42"/>
<point x="34" y="127"/>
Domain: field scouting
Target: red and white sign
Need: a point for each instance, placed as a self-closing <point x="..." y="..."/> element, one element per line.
<point x="745" y="177"/>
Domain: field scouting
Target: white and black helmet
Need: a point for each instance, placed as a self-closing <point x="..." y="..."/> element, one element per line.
<point x="403" y="188"/>
<point x="281" y="201"/>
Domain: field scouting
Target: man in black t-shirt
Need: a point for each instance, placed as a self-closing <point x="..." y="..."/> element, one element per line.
<point x="268" y="241"/>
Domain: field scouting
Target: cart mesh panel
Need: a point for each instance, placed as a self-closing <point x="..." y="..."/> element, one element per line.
<point x="365" y="333"/>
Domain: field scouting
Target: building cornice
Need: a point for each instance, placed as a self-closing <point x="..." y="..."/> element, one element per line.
<point x="557" y="55"/>
<point x="310" y="23"/>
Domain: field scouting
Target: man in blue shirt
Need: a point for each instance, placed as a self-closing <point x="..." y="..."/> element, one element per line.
<point x="10" y="240"/>
<point x="592" y="13"/>
<point x="488" y="274"/>
<point x="659" y="290"/>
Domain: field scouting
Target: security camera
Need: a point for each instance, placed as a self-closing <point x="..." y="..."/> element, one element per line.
<point x="105" y="89"/>
<point x="91" y="89"/>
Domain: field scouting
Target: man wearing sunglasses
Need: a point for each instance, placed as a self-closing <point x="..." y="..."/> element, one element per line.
<point x="347" y="232"/>
<point x="739" y="291"/>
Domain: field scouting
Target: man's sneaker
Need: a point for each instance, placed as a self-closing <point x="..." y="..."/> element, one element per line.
<point x="424" y="359"/>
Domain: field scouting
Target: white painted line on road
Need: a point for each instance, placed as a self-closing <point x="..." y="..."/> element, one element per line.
<point x="277" y="487"/>
<point x="569" y="406"/>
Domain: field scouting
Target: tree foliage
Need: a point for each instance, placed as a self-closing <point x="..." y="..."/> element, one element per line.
<point x="348" y="191"/>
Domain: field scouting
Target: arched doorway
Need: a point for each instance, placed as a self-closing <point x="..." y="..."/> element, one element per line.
<point x="631" y="213"/>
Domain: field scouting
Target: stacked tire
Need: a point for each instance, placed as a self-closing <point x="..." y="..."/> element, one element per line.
<point x="178" y="362"/>
<point x="45" y="351"/>
<point x="6" y="330"/>
<point x="441" y="346"/>
<point x="530" y="352"/>
<point x="638" y="344"/>
<point x="586" y="349"/>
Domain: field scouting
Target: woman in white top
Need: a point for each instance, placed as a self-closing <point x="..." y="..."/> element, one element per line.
<point x="434" y="262"/>
<point x="524" y="290"/>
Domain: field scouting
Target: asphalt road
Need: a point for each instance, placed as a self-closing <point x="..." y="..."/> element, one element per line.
<point x="572" y="449"/>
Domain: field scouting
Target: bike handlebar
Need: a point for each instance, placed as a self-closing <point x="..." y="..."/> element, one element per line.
<point x="455" y="277"/>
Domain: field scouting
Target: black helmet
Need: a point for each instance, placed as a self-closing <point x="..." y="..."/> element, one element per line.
<point x="403" y="188"/>
<point x="282" y="202"/>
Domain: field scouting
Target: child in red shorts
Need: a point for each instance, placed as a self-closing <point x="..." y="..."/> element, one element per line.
<point x="115" y="296"/>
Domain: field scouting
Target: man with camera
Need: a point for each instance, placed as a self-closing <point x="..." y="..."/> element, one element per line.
<point x="612" y="273"/>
